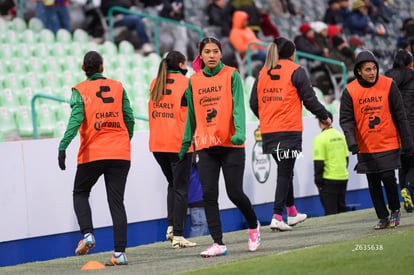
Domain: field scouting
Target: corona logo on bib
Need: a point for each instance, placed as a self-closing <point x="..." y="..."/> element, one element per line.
<point x="260" y="162"/>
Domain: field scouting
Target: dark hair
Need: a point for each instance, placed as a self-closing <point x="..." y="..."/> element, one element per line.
<point x="204" y="42"/>
<point x="285" y="47"/>
<point x="207" y="40"/>
<point x="92" y="62"/>
<point x="403" y="58"/>
<point x="406" y="22"/>
<point x="170" y="62"/>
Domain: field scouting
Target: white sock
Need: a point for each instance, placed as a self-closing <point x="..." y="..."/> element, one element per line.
<point x="87" y="234"/>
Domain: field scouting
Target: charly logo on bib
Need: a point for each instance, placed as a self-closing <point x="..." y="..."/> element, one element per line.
<point x="260" y="162"/>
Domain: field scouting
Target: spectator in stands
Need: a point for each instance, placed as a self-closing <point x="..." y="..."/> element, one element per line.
<point x="166" y="133"/>
<point x="276" y="99"/>
<point x="57" y="15"/>
<point x="403" y="74"/>
<point x="216" y="16"/>
<point x="330" y="163"/>
<point x="334" y="30"/>
<point x="344" y="8"/>
<point x="40" y="11"/>
<point x="333" y="14"/>
<point x="356" y="44"/>
<point x="248" y="6"/>
<point x="174" y="35"/>
<point x="341" y="52"/>
<point x="104" y="150"/>
<point x="376" y="137"/>
<point x="378" y="12"/>
<point x="358" y="21"/>
<point x="401" y="39"/>
<point x="131" y="21"/>
<point x="267" y="26"/>
<point x="283" y="8"/>
<point x="305" y="43"/>
<point x="406" y="40"/>
<point x="241" y="36"/>
<point x="6" y="7"/>
<point x="321" y="39"/>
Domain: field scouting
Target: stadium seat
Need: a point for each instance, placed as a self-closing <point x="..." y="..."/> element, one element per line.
<point x="6" y="51"/>
<point x="125" y="47"/>
<point x="80" y="36"/>
<point x="28" y="37"/>
<point x="138" y="74"/>
<point x="140" y="106"/>
<point x="68" y="78"/>
<point x="25" y="97"/>
<point x="63" y="113"/>
<point x="8" y="123"/>
<point x="18" y="24"/>
<point x="58" y="50"/>
<point x="78" y="52"/>
<point x="22" y="50"/>
<point x="124" y="61"/>
<point x="141" y="125"/>
<point x="47" y="36"/>
<point x="59" y="129"/>
<point x="10" y="99"/>
<point x="15" y="65"/>
<point x="63" y="36"/>
<point x="107" y="49"/>
<point x="248" y="84"/>
<point x="3" y="69"/>
<point x="139" y="89"/>
<point x="45" y="120"/>
<point x="52" y="64"/>
<point x="34" y="64"/>
<point x="12" y="80"/>
<point x="52" y="79"/>
<point x="3" y="25"/>
<point x="24" y="121"/>
<point x="41" y="50"/>
<point x="35" y="24"/>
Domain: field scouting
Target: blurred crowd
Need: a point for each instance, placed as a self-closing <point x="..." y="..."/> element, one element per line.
<point x="339" y="33"/>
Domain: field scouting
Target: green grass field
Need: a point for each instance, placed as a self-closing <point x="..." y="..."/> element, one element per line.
<point x="387" y="254"/>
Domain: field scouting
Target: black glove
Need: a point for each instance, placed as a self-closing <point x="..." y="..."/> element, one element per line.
<point x="62" y="158"/>
<point x="354" y="149"/>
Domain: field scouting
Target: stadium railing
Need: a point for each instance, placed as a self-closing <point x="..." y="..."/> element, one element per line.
<point x="54" y="98"/>
<point x="156" y="20"/>
<point x="305" y="55"/>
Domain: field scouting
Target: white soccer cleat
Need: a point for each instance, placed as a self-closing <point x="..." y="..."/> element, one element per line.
<point x="279" y="225"/>
<point x="292" y="220"/>
<point x="214" y="250"/>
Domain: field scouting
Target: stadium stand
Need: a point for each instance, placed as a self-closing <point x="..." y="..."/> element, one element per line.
<point x="33" y="60"/>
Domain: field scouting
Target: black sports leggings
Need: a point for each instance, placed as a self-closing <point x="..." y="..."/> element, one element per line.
<point x="284" y="186"/>
<point x="177" y="173"/>
<point x="115" y="175"/>
<point x="231" y="161"/>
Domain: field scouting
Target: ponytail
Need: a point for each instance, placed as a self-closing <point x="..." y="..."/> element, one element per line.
<point x="272" y="56"/>
<point x="170" y="62"/>
<point x="158" y="90"/>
